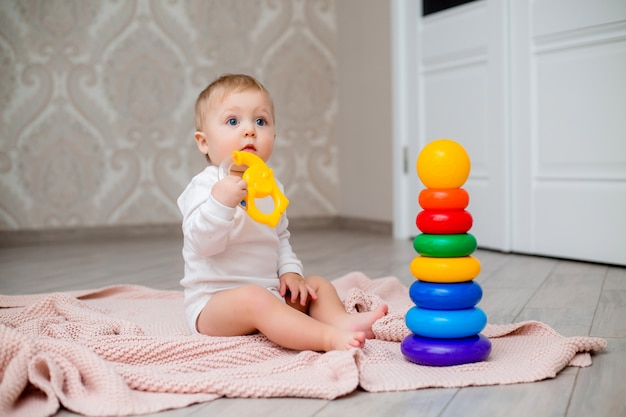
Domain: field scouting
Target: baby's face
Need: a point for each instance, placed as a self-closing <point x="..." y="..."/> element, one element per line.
<point x="238" y="121"/>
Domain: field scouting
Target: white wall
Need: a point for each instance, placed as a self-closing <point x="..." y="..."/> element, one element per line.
<point x="363" y="124"/>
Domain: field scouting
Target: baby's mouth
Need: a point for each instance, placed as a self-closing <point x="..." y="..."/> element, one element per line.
<point x="249" y="148"/>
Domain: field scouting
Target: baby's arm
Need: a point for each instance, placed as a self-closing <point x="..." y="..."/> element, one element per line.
<point x="290" y="268"/>
<point x="206" y="221"/>
<point x="287" y="259"/>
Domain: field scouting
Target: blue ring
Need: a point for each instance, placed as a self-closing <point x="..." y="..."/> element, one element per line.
<point x="445" y="324"/>
<point x="445" y="352"/>
<point x="445" y="296"/>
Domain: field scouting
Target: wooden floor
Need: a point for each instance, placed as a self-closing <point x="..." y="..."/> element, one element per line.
<point x="575" y="298"/>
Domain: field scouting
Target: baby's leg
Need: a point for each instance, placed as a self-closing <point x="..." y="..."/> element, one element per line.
<point x="328" y="308"/>
<point x="248" y="309"/>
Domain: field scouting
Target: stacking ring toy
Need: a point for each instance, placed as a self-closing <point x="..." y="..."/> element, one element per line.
<point x="464" y="268"/>
<point x="438" y="296"/>
<point x="261" y="184"/>
<point x="443" y="163"/>
<point x="445" y="324"/>
<point x="443" y="199"/>
<point x="444" y="222"/>
<point x="445" y="246"/>
<point x="445" y="352"/>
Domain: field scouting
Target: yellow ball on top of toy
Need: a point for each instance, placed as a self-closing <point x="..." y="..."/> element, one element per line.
<point x="443" y="163"/>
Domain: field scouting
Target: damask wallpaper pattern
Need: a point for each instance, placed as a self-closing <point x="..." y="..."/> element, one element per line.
<point x="97" y="100"/>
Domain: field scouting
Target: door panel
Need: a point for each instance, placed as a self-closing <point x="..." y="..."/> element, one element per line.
<point x="580" y="112"/>
<point x="569" y="130"/>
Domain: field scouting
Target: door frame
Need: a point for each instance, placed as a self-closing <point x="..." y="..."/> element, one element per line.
<point x="405" y="26"/>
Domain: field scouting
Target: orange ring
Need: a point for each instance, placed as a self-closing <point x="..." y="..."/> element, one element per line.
<point x="449" y="270"/>
<point x="443" y="199"/>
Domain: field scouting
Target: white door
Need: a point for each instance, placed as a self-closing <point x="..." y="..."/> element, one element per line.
<point x="568" y="128"/>
<point x="454" y="89"/>
<point x="536" y="92"/>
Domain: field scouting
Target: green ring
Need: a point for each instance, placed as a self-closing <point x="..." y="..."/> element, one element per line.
<point x="445" y="246"/>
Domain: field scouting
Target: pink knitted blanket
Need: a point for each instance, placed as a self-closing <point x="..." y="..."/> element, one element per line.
<point x="126" y="350"/>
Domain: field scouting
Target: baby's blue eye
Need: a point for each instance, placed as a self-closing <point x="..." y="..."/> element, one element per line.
<point x="261" y="122"/>
<point x="232" y="121"/>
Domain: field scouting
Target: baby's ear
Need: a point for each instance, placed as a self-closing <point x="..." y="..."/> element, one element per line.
<point x="201" y="141"/>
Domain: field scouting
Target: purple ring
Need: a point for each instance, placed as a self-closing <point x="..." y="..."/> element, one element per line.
<point x="445" y="352"/>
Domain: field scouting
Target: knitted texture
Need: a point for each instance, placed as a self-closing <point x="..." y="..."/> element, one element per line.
<point x="126" y="350"/>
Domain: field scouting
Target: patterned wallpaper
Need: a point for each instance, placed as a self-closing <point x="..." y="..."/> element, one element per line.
<point x="97" y="102"/>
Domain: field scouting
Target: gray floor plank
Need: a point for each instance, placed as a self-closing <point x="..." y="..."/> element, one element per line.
<point x="540" y="399"/>
<point x="254" y="407"/>
<point x="600" y="389"/>
<point x="422" y="403"/>
<point x="610" y="317"/>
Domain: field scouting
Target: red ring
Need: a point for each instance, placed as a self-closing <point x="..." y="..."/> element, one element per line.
<point x="443" y="198"/>
<point x="444" y="222"/>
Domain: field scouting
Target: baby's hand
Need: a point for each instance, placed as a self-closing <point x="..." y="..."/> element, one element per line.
<point x="230" y="190"/>
<point x="297" y="288"/>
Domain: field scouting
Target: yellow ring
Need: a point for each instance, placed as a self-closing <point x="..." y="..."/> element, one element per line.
<point x="461" y="269"/>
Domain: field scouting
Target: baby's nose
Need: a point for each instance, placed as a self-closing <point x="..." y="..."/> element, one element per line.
<point x="249" y="129"/>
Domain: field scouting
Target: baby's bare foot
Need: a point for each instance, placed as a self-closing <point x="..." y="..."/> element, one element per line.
<point x="348" y="340"/>
<point x="363" y="321"/>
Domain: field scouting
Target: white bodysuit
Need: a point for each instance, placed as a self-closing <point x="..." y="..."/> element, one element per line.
<point x="224" y="248"/>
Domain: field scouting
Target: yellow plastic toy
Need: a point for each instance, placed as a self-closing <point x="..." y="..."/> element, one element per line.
<point x="261" y="184"/>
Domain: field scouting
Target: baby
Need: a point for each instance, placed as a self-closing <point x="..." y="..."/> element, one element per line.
<point x="242" y="277"/>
